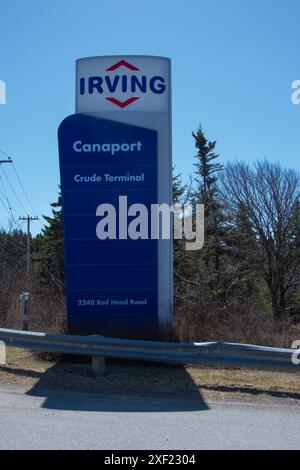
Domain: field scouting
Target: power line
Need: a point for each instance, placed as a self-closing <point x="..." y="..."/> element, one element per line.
<point x="7" y="210"/>
<point x="10" y="212"/>
<point x="21" y="185"/>
<point x="14" y="192"/>
<point x="5" y="195"/>
<point x="23" y="189"/>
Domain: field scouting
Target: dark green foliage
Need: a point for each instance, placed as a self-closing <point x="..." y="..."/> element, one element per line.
<point x="12" y="249"/>
<point x="206" y="170"/>
<point x="50" y="248"/>
<point x="179" y="188"/>
<point x="209" y="262"/>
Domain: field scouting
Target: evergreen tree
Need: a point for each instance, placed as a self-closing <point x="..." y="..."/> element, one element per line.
<point x="208" y="260"/>
<point x="206" y="170"/>
<point x="50" y="247"/>
<point x="178" y="188"/>
<point x="239" y="276"/>
<point x="12" y="249"/>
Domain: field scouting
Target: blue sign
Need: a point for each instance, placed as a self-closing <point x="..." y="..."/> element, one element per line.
<point x="111" y="278"/>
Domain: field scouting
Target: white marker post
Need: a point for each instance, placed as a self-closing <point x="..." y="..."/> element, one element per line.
<point x="2" y="353"/>
<point x="136" y="90"/>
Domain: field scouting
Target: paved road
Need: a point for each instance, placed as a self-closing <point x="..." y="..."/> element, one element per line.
<point x="63" y="420"/>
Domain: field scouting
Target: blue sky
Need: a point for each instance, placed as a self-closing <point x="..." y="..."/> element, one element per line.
<point x="233" y="65"/>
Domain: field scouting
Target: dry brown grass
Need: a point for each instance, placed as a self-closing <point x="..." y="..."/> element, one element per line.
<point x="249" y="325"/>
<point x="47" y="309"/>
<point x="150" y="379"/>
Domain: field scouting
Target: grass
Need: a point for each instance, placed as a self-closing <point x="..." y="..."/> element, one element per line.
<point x="124" y="377"/>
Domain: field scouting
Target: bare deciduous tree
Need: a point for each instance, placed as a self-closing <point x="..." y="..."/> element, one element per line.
<point x="270" y="198"/>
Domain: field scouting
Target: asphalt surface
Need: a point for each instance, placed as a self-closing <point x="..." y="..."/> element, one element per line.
<point x="34" y="419"/>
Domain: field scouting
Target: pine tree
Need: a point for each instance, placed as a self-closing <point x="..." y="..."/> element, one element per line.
<point x="239" y="276"/>
<point x="50" y="247"/>
<point x="178" y="188"/>
<point x="205" y="192"/>
<point x="206" y="170"/>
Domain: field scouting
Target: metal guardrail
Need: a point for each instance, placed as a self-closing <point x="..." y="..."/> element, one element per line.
<point x="99" y="347"/>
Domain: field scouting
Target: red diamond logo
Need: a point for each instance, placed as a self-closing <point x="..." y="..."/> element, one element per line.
<point x="112" y="68"/>
<point x="121" y="63"/>
<point x="122" y="104"/>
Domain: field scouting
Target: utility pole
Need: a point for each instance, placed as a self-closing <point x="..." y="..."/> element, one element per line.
<point x="28" y="219"/>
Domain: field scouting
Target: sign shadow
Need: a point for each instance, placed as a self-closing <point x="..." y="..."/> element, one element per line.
<point x="127" y="386"/>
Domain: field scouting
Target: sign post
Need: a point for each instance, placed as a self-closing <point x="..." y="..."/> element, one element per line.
<point x="115" y="154"/>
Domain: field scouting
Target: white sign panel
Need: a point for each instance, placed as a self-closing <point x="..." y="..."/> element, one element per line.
<point x="115" y="83"/>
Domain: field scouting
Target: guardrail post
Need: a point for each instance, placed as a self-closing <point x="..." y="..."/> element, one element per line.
<point x="2" y="353"/>
<point x="24" y="298"/>
<point x="98" y="365"/>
